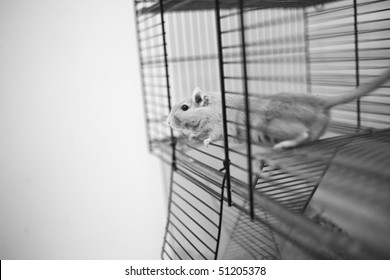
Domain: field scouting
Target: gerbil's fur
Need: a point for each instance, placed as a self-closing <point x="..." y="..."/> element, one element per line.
<point x="283" y="120"/>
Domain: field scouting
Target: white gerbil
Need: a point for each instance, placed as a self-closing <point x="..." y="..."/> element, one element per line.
<point x="284" y="120"/>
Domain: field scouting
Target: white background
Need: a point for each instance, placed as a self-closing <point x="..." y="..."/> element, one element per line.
<point x="76" y="178"/>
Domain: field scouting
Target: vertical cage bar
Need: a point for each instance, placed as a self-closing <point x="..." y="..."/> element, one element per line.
<point x="173" y="141"/>
<point x="357" y="68"/>
<point x="307" y="50"/>
<point x="220" y="217"/>
<point x="224" y="118"/>
<point x="245" y="83"/>
<point x="169" y="213"/>
<point x="142" y="76"/>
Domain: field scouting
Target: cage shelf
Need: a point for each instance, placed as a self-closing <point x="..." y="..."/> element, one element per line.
<point x="281" y="205"/>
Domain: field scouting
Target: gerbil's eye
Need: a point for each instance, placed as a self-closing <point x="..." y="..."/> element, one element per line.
<point x="184" y="107"/>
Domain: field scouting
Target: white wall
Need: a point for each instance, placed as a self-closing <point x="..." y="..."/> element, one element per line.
<point x="76" y="179"/>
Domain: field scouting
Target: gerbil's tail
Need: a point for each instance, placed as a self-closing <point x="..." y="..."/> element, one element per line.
<point x="360" y="91"/>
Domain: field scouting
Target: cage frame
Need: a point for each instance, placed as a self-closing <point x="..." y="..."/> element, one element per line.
<point x="177" y="160"/>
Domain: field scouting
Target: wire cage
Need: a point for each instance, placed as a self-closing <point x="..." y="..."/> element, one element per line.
<point x="326" y="200"/>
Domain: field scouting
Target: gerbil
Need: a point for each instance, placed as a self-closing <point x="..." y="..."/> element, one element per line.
<point x="284" y="120"/>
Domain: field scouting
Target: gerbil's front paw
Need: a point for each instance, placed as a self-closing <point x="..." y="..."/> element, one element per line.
<point x="284" y="145"/>
<point x="206" y="142"/>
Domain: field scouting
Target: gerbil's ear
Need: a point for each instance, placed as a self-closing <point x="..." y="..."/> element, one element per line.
<point x="199" y="97"/>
